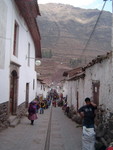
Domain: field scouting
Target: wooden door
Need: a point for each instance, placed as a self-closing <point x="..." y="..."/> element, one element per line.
<point x="95" y="87"/>
<point x="13" y="92"/>
<point x="77" y="100"/>
<point x="27" y="95"/>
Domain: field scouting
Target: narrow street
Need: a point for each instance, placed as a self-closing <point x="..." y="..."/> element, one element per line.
<point x="64" y="133"/>
<point x="61" y="134"/>
<point x="56" y="56"/>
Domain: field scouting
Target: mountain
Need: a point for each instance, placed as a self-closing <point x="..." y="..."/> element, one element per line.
<point x="71" y="36"/>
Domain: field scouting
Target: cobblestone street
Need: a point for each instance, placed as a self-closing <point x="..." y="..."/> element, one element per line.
<point x="64" y="134"/>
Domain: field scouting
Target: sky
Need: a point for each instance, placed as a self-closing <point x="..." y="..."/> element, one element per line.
<point x="87" y="4"/>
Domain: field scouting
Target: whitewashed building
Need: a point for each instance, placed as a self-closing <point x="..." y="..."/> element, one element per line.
<point x="62" y="88"/>
<point x="95" y="81"/>
<point x="39" y="87"/>
<point x="46" y="89"/>
<point x="42" y="88"/>
<point x="19" y="42"/>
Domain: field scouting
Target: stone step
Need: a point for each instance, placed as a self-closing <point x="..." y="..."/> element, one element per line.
<point x="13" y="121"/>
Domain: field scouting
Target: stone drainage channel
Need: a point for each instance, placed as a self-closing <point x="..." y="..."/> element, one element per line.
<point x="47" y="141"/>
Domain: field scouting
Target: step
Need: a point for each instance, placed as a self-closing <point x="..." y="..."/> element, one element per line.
<point x="13" y="121"/>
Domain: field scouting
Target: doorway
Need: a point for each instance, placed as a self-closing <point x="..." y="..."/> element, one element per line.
<point x="77" y="97"/>
<point x="95" y="87"/>
<point x="13" y="92"/>
<point x="27" y="95"/>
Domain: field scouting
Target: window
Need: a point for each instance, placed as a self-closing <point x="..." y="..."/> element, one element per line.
<point x="16" y="35"/>
<point x="28" y="63"/>
<point x="41" y="87"/>
<point x="33" y="84"/>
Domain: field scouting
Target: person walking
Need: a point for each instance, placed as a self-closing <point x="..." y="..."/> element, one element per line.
<point x="32" y="112"/>
<point x="87" y="112"/>
<point x="42" y="105"/>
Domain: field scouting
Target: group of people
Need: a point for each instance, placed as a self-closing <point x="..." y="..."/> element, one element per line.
<point x="87" y="112"/>
<point x="40" y="104"/>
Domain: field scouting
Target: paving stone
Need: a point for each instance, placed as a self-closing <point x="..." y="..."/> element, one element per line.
<point x="64" y="134"/>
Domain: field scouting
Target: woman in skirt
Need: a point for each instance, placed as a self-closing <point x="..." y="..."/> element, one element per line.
<point x="32" y="112"/>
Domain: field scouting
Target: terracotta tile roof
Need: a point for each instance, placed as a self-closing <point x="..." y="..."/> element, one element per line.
<point x="77" y="73"/>
<point x="39" y="79"/>
<point x="29" y="10"/>
<point x="98" y="59"/>
<point x="72" y="72"/>
<point x="77" y="76"/>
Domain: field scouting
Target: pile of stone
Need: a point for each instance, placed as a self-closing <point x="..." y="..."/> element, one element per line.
<point x="103" y="128"/>
<point x="74" y="115"/>
<point x="103" y="125"/>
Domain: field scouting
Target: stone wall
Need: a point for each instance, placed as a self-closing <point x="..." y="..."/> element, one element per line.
<point x="21" y="110"/>
<point x="4" y="115"/>
<point x="103" y="125"/>
<point x="4" y="123"/>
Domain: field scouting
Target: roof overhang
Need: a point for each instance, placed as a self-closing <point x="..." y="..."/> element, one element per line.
<point x="29" y="10"/>
<point x="39" y="79"/>
<point x="76" y="77"/>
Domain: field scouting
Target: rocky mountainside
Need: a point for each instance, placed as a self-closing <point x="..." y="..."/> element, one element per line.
<point x="65" y="31"/>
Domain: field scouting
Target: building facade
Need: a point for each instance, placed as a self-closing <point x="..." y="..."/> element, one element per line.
<point x="95" y="81"/>
<point x="19" y="43"/>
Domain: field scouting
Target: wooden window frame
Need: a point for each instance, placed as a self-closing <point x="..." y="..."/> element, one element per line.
<point x="28" y="63"/>
<point x="16" y="37"/>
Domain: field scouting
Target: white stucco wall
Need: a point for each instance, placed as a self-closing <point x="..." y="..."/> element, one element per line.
<point x="98" y="72"/>
<point x="39" y="88"/>
<point x="26" y="74"/>
<point x="42" y="89"/>
<point x="64" y="88"/>
<point x="102" y="72"/>
<point x="45" y="91"/>
<point x="5" y="41"/>
<point x="75" y="86"/>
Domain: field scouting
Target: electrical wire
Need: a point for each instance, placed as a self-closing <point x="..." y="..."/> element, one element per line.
<point x="93" y="29"/>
